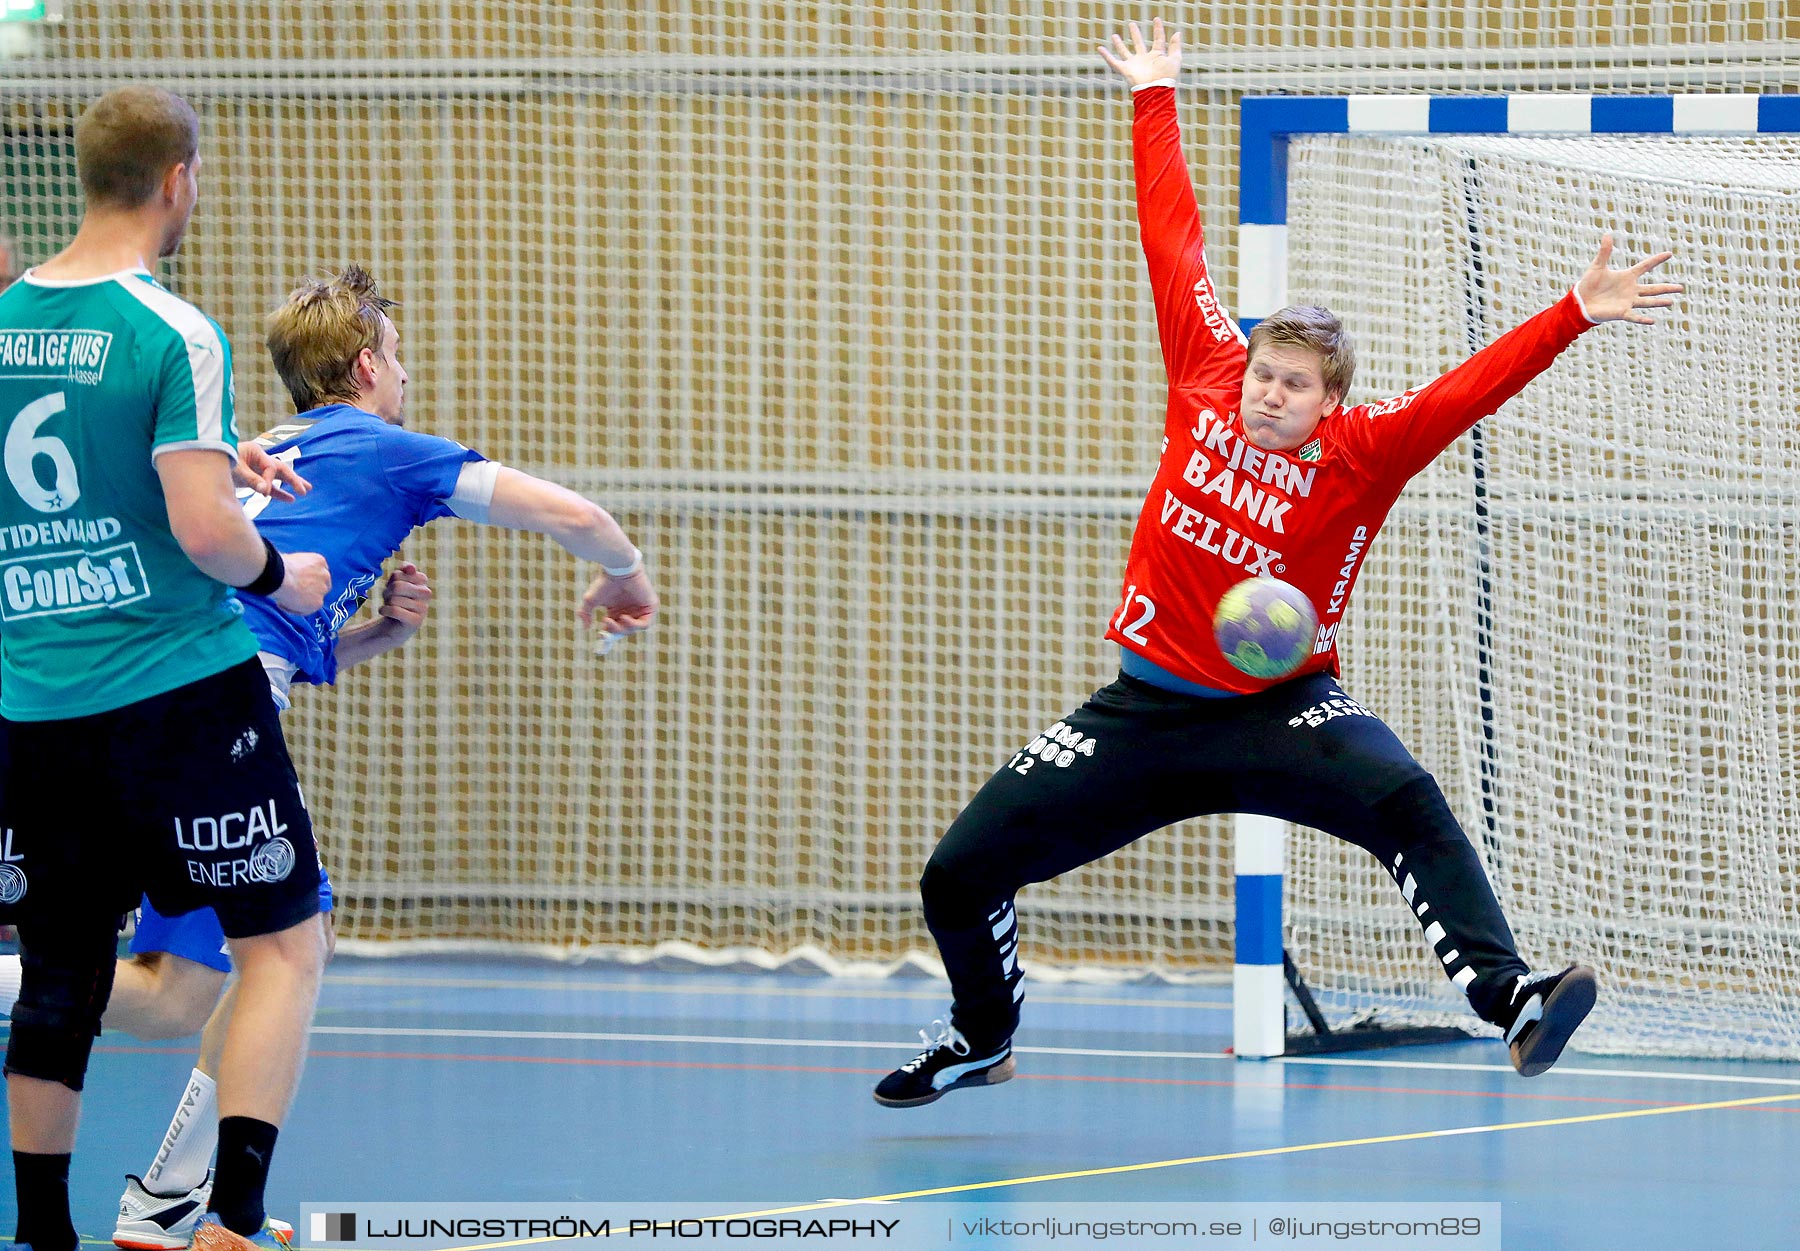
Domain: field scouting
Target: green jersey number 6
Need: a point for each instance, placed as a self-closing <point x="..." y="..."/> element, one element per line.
<point x="24" y="445"/>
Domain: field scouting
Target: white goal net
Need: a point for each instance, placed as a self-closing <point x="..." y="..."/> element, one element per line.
<point x="839" y="307"/>
<point x="1582" y="616"/>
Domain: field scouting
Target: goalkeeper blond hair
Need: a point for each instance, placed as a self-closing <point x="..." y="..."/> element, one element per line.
<point x="1318" y="330"/>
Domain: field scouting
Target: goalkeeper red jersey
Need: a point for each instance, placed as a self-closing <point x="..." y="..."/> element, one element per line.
<point x="1220" y="509"/>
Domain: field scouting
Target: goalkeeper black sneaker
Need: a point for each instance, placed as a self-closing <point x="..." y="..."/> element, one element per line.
<point x="1546" y="1008"/>
<point x="948" y="1063"/>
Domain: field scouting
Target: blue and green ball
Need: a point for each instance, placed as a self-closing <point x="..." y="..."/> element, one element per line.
<point x="1265" y="627"/>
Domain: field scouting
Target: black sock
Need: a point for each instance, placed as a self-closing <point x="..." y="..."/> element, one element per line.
<point x="245" y="1148"/>
<point x="43" y="1188"/>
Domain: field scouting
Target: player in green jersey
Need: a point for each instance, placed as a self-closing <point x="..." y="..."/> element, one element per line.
<point x="139" y="748"/>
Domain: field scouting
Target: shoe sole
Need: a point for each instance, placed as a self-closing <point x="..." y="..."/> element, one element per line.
<point x="151" y="1242"/>
<point x="1001" y="1072"/>
<point x="1564" y="1010"/>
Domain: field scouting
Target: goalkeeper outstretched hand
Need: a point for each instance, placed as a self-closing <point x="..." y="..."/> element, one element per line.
<point x="1618" y="294"/>
<point x="1138" y="64"/>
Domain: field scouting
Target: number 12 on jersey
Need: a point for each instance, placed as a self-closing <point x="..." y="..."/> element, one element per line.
<point x="1134" y="603"/>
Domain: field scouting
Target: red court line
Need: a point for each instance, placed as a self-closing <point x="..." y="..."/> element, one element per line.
<point x="713" y="1066"/>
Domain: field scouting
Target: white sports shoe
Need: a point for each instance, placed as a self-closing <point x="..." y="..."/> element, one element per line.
<point x="153" y="1222"/>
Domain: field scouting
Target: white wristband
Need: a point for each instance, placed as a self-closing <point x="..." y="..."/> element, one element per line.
<point x="1160" y="82"/>
<point x="636" y="566"/>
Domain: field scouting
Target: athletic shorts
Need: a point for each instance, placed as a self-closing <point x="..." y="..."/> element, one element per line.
<point x="188" y="798"/>
<point x="195" y="935"/>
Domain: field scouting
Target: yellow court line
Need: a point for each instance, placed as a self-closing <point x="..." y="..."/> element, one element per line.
<point x="1591" y="1118"/>
<point x="797" y="992"/>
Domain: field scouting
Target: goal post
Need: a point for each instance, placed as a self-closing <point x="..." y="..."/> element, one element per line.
<point x="1577" y="617"/>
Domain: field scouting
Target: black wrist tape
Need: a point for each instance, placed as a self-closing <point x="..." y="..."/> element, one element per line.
<point x="273" y="574"/>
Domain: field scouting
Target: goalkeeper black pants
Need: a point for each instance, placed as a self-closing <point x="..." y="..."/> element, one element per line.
<point x="1136" y="758"/>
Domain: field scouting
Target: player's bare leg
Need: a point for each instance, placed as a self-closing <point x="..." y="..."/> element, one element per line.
<point x="157" y="995"/>
<point x="259" y="1071"/>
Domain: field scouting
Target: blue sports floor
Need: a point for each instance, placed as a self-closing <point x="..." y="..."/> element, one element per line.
<point x="465" y="1079"/>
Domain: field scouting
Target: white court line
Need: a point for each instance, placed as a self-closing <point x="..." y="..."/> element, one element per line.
<point x="794" y="992"/>
<point x="848" y="1044"/>
<point x="1573" y="1071"/>
<point x="382" y="1031"/>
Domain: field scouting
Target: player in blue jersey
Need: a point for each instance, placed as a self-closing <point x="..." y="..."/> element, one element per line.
<point x="373" y="482"/>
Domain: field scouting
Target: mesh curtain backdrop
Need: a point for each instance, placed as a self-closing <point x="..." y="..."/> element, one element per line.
<point x="839" y="307"/>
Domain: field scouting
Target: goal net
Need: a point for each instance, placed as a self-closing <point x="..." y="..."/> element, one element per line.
<point x="1582" y="615"/>
<point x="840" y="308"/>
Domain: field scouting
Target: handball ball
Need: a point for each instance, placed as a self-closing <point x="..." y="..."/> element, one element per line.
<point x="1265" y="627"/>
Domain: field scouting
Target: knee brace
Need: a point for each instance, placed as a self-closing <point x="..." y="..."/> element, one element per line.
<point x="65" y="982"/>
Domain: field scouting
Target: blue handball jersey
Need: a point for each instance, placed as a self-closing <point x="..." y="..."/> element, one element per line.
<point x="372" y="484"/>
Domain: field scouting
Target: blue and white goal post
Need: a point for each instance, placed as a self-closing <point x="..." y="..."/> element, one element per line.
<point x="1266" y="125"/>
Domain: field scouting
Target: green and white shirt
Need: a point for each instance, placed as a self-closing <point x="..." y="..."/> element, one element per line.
<point x="99" y="606"/>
